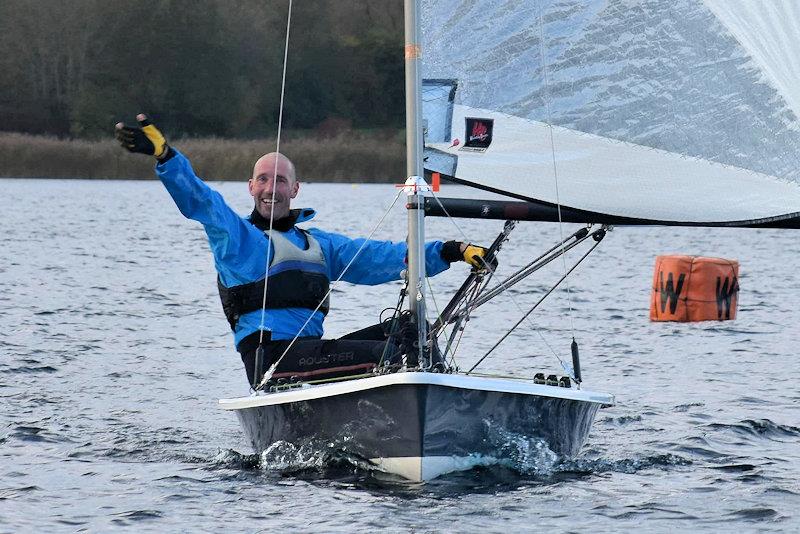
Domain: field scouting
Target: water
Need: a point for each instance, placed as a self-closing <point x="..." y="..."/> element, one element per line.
<point x="114" y="352"/>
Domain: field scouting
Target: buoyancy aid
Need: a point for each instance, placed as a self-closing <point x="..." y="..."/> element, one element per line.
<point x="297" y="279"/>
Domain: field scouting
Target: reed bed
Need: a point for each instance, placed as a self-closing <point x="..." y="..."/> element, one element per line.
<point x="355" y="156"/>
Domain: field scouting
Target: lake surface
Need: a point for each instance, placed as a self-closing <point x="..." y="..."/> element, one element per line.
<point x="114" y="351"/>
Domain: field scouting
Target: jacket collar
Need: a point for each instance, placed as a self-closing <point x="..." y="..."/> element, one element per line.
<point x="282" y="225"/>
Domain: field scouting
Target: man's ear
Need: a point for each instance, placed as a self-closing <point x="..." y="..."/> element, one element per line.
<point x="295" y="189"/>
<point x="250" y="186"/>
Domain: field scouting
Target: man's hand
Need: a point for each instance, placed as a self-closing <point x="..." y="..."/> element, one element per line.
<point x="146" y="139"/>
<point x="472" y="254"/>
<point x="475" y="256"/>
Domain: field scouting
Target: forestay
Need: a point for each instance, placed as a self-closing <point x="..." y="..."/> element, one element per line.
<point x="663" y="111"/>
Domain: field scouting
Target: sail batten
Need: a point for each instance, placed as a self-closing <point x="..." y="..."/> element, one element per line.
<point x="678" y="111"/>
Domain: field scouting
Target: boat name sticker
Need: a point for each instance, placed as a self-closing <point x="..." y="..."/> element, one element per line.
<point x="478" y="134"/>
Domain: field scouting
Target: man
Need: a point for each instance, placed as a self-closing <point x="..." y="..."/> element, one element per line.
<point x="302" y="263"/>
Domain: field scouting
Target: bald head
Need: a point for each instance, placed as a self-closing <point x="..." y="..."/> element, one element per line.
<point x="273" y="185"/>
<point x="267" y="163"/>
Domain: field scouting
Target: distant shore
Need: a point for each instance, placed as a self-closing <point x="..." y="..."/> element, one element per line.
<point x="354" y="156"/>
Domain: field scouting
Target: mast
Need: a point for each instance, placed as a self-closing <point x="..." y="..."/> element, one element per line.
<point x="415" y="183"/>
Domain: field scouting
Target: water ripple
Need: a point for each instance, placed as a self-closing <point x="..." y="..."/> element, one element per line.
<point x="13" y="493"/>
<point x="760" y="428"/>
<point x="110" y="378"/>
<point x="757" y="514"/>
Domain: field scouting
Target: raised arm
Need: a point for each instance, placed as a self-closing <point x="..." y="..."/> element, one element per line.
<point x="195" y="200"/>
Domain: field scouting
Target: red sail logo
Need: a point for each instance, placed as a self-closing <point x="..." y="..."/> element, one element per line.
<point x="479" y="132"/>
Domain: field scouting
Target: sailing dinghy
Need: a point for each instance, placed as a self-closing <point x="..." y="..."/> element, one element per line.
<point x="603" y="112"/>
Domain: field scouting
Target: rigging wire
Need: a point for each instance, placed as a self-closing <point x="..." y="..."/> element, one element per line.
<point x="546" y="79"/>
<point x="435" y="307"/>
<point x="275" y="177"/>
<point x="438" y="312"/>
<point x="504" y="285"/>
<point x="524" y="317"/>
<point x="333" y="285"/>
<point x="462" y="321"/>
<point x="449" y="217"/>
<point x="543" y="259"/>
<point x="530" y="322"/>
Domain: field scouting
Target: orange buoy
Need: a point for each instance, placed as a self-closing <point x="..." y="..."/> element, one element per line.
<point x="694" y="288"/>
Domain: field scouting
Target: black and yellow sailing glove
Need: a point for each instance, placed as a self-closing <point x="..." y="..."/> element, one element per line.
<point x="475" y="255"/>
<point x="147" y="139"/>
<point x="472" y="254"/>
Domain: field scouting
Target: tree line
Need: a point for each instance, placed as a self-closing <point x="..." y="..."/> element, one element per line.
<point x="199" y="67"/>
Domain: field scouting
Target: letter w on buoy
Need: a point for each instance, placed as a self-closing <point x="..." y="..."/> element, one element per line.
<point x="725" y="293"/>
<point x="670" y="293"/>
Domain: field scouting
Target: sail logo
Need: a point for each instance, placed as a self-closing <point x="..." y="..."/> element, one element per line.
<point x="670" y="293"/>
<point x="725" y="292"/>
<point x="478" y="134"/>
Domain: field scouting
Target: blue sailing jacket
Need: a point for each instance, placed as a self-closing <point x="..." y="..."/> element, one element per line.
<point x="240" y="251"/>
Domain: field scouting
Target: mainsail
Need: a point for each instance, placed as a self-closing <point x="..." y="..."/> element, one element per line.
<point x="637" y="111"/>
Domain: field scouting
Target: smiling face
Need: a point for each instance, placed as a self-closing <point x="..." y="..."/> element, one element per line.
<point x="273" y="185"/>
